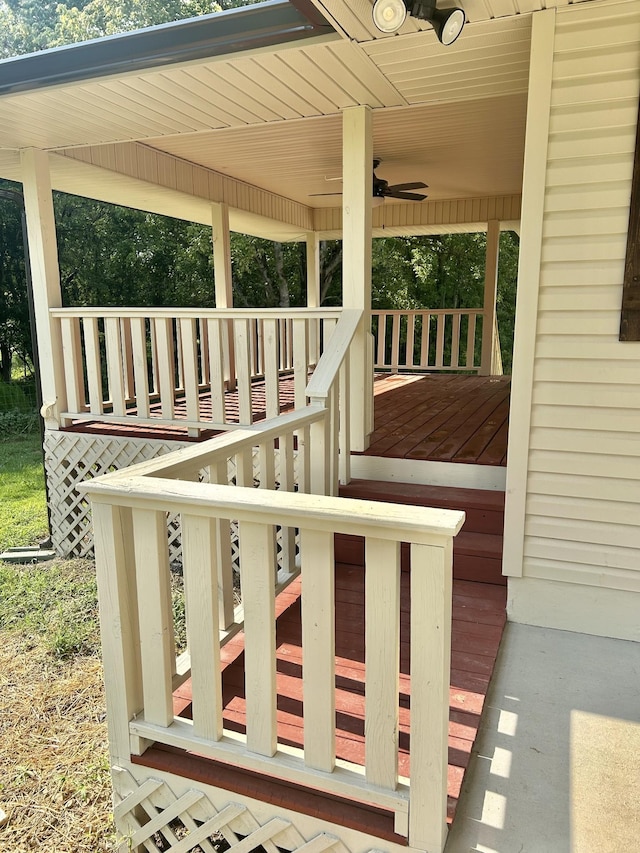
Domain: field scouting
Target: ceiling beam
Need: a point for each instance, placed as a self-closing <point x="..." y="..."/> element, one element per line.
<point x="143" y="163"/>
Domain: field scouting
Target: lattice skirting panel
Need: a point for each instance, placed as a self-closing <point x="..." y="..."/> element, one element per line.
<point x="71" y="458"/>
<point x="154" y="815"/>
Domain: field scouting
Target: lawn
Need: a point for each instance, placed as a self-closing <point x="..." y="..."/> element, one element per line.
<point x="55" y="789"/>
<point x="55" y="786"/>
<point x="23" y="511"/>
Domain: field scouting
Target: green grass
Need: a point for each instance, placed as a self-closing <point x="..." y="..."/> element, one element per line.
<point x="52" y="603"/>
<point x="23" y="511"/>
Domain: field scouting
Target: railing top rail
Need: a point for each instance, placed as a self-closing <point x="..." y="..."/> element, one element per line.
<point x="205" y="313"/>
<point x="401" y="312"/>
<point x="320" y="383"/>
<point x="422" y="525"/>
<point x="189" y="460"/>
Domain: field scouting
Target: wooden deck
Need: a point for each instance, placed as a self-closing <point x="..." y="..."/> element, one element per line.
<point x="442" y="418"/>
<point x="478" y="622"/>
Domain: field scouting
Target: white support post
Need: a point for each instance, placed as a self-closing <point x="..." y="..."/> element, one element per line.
<point x="431" y="592"/>
<point x="313" y="270"/>
<point x="115" y="572"/>
<point x="313" y="287"/>
<point x="357" y="164"/>
<point x="45" y="274"/>
<point x="223" y="281"/>
<point x="490" y="297"/>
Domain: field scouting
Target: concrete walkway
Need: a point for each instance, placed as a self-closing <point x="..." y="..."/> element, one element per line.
<point x="556" y="766"/>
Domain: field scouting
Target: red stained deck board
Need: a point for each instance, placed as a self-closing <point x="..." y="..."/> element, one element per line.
<point x="478" y="621"/>
<point x="440" y="417"/>
<point x="448" y="418"/>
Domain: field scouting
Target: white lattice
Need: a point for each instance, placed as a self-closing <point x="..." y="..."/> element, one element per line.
<point x="149" y="816"/>
<point x="71" y="458"/>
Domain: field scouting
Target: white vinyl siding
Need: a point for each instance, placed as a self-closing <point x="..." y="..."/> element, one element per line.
<point x="583" y="488"/>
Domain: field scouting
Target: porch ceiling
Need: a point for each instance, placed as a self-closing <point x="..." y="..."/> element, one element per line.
<point x="270" y="119"/>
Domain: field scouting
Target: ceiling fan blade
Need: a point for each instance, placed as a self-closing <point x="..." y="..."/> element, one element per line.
<point x="317" y="194"/>
<point x="412" y="185"/>
<point x="408" y="196"/>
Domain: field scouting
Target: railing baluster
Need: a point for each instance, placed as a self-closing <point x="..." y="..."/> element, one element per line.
<point x="318" y="648"/>
<point x="411" y="330"/>
<point x="424" y="342"/>
<point x="72" y="351"/>
<point x="140" y="365"/>
<point x="431" y="591"/>
<point x="301" y="359"/>
<point x="258" y="597"/>
<point x="218" y="474"/>
<point x="382" y="340"/>
<point x="344" y="462"/>
<point x="94" y="365"/>
<point x="190" y="368"/>
<point x="272" y="347"/>
<point x="155" y="614"/>
<point x="127" y="359"/>
<point x="395" y="343"/>
<point x="243" y="369"/>
<point x="287" y="484"/>
<point x="199" y="547"/>
<point x="440" y="341"/>
<point x="115" y="379"/>
<point x="203" y="349"/>
<point x="216" y="330"/>
<point x="455" y="340"/>
<point x="471" y="341"/>
<point x="165" y="365"/>
<point x="382" y="661"/>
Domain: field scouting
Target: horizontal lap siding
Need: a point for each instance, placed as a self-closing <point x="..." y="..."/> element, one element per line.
<point x="583" y="492"/>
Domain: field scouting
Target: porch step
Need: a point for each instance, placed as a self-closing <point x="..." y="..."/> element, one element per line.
<point x="477" y="549"/>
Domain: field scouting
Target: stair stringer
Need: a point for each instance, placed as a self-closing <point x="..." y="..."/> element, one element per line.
<point x="187" y="813"/>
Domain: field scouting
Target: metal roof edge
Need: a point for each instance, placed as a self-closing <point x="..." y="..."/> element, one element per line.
<point x="233" y="31"/>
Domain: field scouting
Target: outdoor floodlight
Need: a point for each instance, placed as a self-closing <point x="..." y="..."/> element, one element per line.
<point x="390" y="15"/>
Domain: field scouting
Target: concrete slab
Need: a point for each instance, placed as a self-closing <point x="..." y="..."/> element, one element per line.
<point x="556" y="766"/>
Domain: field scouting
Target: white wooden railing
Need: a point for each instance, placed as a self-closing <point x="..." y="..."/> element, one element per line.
<point x="427" y="339"/>
<point x="173" y="366"/>
<point x="129" y="511"/>
<point x="272" y="498"/>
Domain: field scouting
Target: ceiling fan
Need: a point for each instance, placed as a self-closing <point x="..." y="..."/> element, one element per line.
<point x="382" y="189"/>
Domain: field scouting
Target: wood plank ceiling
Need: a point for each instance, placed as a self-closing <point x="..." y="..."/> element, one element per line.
<point x="451" y="117"/>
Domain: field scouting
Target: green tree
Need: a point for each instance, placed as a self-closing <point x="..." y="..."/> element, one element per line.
<point x="14" y="312"/>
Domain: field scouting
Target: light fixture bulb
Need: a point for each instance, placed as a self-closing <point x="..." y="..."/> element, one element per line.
<point x="448" y="24"/>
<point x="389" y="15"/>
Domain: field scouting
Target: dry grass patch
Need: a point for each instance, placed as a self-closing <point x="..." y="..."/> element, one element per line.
<point x="55" y="785"/>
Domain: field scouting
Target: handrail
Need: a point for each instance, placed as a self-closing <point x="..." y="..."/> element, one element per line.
<point x="181" y="313"/>
<point x="190" y="459"/>
<point x="319" y="386"/>
<point x="421" y="525"/>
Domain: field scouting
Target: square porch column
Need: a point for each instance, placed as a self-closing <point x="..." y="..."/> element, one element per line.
<point x="489" y="363"/>
<point x="357" y="165"/>
<point x="45" y="273"/>
<point x="223" y="283"/>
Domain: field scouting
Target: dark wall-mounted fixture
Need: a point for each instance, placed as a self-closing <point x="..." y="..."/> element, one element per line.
<point x="390" y="15"/>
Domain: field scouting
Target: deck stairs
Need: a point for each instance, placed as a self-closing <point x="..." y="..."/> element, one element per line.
<point x="477" y="549"/>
